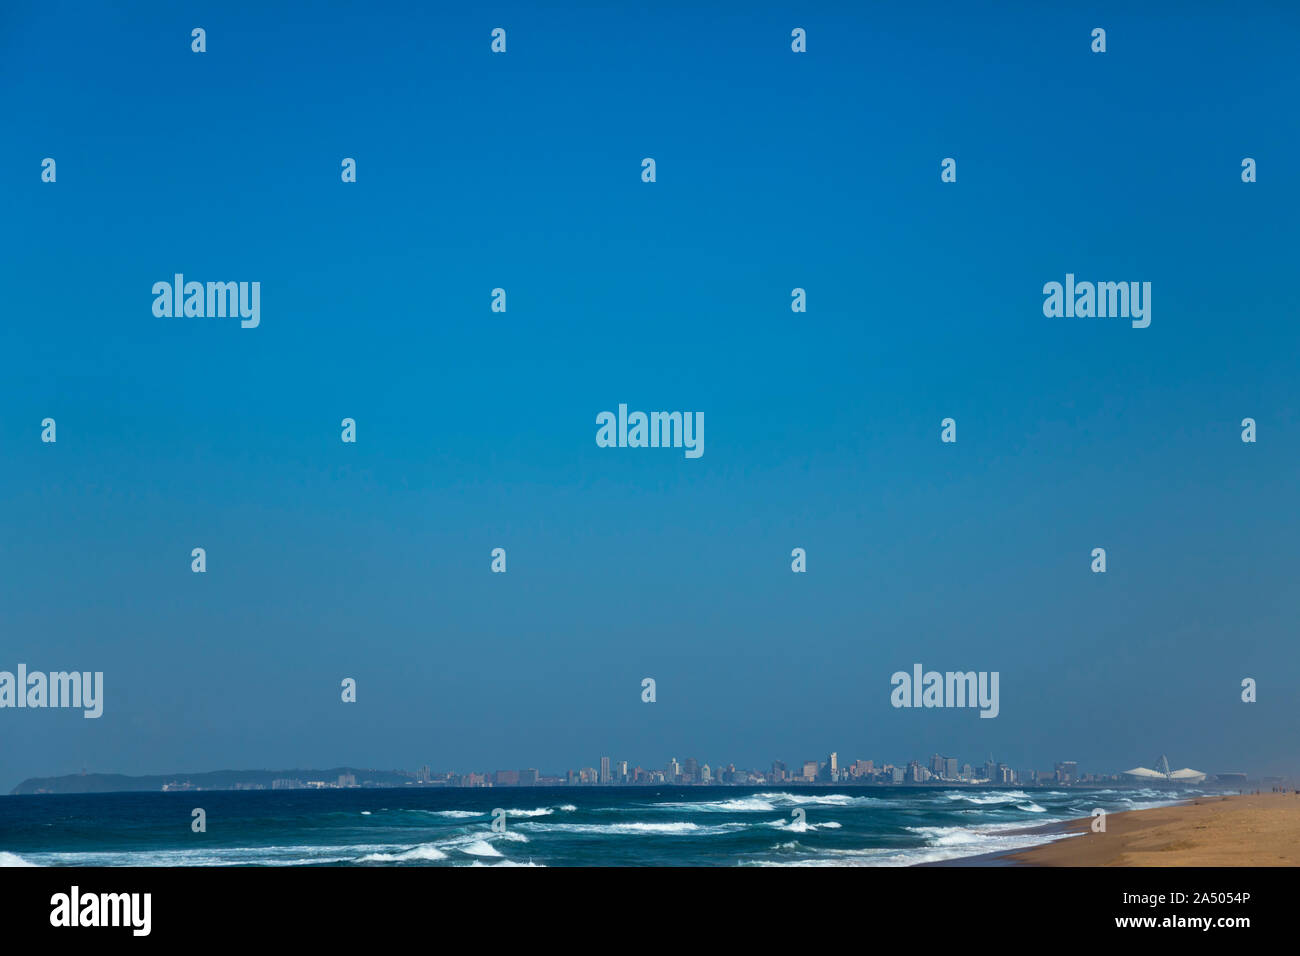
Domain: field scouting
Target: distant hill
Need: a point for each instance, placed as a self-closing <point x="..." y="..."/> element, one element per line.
<point x="213" y="780"/>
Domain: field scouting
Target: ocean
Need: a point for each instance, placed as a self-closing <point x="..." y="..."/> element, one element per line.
<point x="546" y="826"/>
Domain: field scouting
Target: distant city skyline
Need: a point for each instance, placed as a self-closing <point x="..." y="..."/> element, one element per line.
<point x="939" y="769"/>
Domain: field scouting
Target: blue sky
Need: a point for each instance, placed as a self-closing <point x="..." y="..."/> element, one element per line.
<point x="476" y="429"/>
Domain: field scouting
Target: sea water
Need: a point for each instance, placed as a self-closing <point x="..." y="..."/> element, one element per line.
<point x="548" y="826"/>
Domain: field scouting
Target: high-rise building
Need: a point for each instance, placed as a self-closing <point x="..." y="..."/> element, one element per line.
<point x="778" y="771"/>
<point x="691" y="770"/>
<point x="528" y="778"/>
<point x="604" y="770"/>
<point x="949" y="768"/>
<point x="833" y="767"/>
<point x="809" y="770"/>
<point x="622" y="771"/>
<point x="1067" y="772"/>
<point x="936" y="764"/>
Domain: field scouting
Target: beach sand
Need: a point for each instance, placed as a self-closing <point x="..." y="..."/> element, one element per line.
<point x="1248" y="830"/>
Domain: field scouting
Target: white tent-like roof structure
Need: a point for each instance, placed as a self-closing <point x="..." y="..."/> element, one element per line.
<point x="1186" y="775"/>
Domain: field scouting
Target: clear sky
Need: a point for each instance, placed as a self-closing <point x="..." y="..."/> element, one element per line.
<point x="476" y="429"/>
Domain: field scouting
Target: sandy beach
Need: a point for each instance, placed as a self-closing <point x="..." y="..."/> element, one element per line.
<point x="1248" y="830"/>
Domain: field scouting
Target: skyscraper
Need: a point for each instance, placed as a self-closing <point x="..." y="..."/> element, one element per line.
<point x="604" y="770"/>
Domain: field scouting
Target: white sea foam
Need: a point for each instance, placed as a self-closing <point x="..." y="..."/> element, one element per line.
<point x="986" y="798"/>
<point x="942" y="843"/>
<point x="510" y="812"/>
<point x="822" y="799"/>
<point x="803" y="826"/>
<point x="1131" y="804"/>
<point x="768" y="802"/>
<point x="221" y="856"/>
<point x="479" y="848"/>
<point x="982" y="828"/>
<point x="740" y="805"/>
<point x="983" y="839"/>
<point x="506" y="863"/>
<point x="866" y="857"/>
<point x="627" y="829"/>
<point x="13" y="859"/>
<point x="423" y="852"/>
<point x="472" y="844"/>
